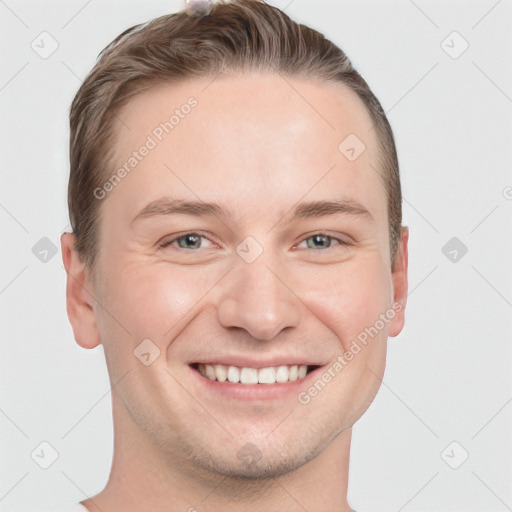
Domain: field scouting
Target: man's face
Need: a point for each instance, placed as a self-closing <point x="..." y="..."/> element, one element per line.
<point x="260" y="281"/>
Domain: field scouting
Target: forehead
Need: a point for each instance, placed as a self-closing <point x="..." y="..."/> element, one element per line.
<point x="247" y="139"/>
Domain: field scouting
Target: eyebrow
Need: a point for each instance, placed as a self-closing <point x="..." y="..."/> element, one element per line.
<point x="167" y="206"/>
<point x="320" y="208"/>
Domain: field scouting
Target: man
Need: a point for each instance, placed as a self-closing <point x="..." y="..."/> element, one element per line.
<point x="237" y="249"/>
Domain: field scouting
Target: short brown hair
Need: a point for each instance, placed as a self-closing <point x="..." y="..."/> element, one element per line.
<point x="238" y="35"/>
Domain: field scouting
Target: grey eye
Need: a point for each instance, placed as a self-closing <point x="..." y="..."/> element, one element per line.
<point x="318" y="242"/>
<point x="189" y="241"/>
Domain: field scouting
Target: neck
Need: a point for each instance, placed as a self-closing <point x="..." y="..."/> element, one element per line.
<point x="144" y="477"/>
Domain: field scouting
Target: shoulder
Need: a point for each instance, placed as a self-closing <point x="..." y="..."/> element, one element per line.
<point x="76" y="508"/>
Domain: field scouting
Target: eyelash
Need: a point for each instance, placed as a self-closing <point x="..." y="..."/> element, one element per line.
<point x="341" y="242"/>
<point x="167" y="243"/>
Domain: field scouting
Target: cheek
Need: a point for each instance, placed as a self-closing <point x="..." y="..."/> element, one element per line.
<point x="156" y="300"/>
<point x="352" y="299"/>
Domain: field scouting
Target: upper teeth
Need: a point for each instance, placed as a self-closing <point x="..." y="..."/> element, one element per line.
<point x="245" y="375"/>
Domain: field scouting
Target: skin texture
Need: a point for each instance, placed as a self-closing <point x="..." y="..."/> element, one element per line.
<point x="257" y="148"/>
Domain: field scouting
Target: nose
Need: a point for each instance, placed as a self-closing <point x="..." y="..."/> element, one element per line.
<point x="257" y="298"/>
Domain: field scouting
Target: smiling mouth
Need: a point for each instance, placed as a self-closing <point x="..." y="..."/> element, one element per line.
<point x="251" y="376"/>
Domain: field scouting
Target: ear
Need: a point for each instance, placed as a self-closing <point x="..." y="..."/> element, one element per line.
<point x="400" y="284"/>
<point x="79" y="297"/>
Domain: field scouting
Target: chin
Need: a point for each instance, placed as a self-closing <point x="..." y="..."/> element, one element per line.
<point x="257" y="461"/>
<point x="266" y="468"/>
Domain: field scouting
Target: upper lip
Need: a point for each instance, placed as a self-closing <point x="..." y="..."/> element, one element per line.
<point x="246" y="362"/>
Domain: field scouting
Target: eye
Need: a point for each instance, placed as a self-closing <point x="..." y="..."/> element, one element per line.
<point x="322" y="241"/>
<point x="190" y="241"/>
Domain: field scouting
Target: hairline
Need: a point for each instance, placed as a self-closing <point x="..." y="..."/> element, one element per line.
<point x="113" y="133"/>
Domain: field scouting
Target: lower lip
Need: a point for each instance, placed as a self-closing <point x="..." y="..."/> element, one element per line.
<point x="265" y="392"/>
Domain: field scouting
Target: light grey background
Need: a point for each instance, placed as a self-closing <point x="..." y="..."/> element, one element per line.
<point x="448" y="376"/>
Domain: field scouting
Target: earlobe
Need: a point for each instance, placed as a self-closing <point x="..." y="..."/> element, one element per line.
<point x="79" y="295"/>
<point x="400" y="284"/>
